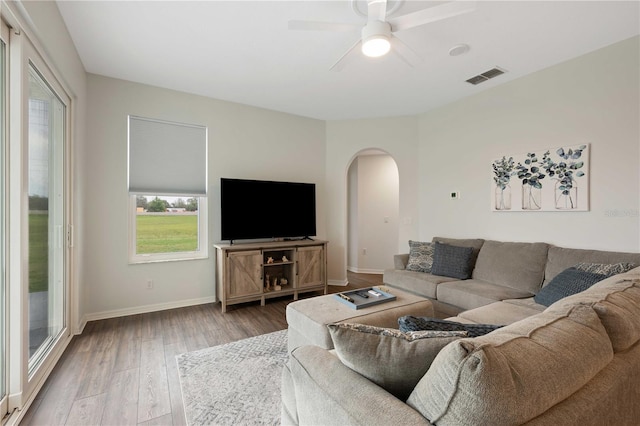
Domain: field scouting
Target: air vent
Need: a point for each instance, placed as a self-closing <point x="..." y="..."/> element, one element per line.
<point x="494" y="72"/>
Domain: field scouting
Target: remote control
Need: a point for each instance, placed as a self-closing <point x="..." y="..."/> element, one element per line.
<point x="362" y="294"/>
<point x="345" y="297"/>
<point x="375" y="293"/>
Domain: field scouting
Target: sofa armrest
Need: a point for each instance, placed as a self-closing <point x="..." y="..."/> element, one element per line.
<point x="400" y="260"/>
<point x="329" y="393"/>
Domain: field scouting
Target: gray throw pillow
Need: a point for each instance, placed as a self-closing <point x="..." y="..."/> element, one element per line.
<point x="420" y="256"/>
<point x="410" y="323"/>
<point x="605" y="268"/>
<point x="393" y="360"/>
<point x="566" y="283"/>
<point x="452" y="261"/>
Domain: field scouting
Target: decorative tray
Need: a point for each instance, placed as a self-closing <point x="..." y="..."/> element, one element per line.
<point x="364" y="297"/>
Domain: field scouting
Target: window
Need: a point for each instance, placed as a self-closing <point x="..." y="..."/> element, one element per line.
<point x="167" y="190"/>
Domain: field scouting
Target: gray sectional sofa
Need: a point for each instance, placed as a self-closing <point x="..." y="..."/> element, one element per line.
<point x="575" y="362"/>
<point x="502" y="271"/>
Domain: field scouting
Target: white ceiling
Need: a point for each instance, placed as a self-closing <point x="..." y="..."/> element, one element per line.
<point x="242" y="51"/>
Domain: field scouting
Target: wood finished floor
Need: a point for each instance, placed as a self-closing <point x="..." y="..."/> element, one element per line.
<point x="122" y="371"/>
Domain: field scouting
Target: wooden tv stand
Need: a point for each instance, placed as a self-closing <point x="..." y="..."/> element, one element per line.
<point x="244" y="272"/>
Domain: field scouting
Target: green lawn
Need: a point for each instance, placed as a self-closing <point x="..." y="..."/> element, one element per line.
<point x="166" y="233"/>
<point x="38" y="252"/>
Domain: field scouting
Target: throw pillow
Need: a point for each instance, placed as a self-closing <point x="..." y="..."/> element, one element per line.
<point x="420" y="256"/>
<point x="393" y="360"/>
<point x="452" y="261"/>
<point x="410" y="323"/>
<point x="568" y="282"/>
<point x="604" y="268"/>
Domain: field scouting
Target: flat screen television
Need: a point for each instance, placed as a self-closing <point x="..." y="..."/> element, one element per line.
<point x="256" y="209"/>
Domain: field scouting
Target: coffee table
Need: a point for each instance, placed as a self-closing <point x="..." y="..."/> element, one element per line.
<point x="308" y="318"/>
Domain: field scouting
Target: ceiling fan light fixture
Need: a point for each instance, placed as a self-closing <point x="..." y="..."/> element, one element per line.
<point x="376" y="46"/>
<point x="376" y="39"/>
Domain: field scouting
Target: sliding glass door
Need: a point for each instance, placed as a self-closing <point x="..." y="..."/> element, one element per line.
<point x="3" y="282"/>
<point x="34" y="217"/>
<point x="46" y="217"/>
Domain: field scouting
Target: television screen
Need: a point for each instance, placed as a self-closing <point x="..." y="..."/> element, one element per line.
<point x="254" y="209"/>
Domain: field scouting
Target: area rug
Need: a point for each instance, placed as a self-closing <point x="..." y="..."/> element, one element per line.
<point x="234" y="384"/>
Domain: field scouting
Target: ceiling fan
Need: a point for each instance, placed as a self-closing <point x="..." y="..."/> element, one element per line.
<point x="378" y="34"/>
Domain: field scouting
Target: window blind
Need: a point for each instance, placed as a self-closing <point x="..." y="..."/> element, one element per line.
<point x="167" y="158"/>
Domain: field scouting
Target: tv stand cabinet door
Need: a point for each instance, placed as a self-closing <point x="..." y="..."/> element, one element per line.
<point x="244" y="274"/>
<point x="311" y="267"/>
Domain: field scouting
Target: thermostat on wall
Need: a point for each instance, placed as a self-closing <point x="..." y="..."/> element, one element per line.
<point x="454" y="195"/>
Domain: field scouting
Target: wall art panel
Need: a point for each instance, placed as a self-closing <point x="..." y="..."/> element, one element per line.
<point x="547" y="180"/>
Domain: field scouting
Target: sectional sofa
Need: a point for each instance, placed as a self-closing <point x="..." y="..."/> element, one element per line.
<point x="500" y="271"/>
<point x="573" y="362"/>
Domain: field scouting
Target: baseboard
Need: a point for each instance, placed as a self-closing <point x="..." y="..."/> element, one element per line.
<point x="145" y="309"/>
<point x="365" y="271"/>
<point x="342" y="283"/>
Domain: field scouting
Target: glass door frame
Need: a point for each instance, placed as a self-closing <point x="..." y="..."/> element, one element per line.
<point x="23" y="381"/>
<point x="4" y="384"/>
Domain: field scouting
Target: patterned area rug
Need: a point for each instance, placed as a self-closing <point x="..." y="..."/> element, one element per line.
<point x="234" y="384"/>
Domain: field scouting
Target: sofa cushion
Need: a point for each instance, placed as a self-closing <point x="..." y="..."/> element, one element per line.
<point x="516" y="373"/>
<point x="409" y="323"/>
<point x="566" y="283"/>
<point x="420" y="256"/>
<point x="510" y="264"/>
<point x="393" y="360"/>
<point x="561" y="258"/>
<point x="617" y="303"/>
<point x="502" y="312"/>
<point x="470" y="294"/>
<point x="421" y="283"/>
<point x="452" y="261"/>
<point x="289" y="411"/>
<point x="330" y="393"/>
<point x="605" y="268"/>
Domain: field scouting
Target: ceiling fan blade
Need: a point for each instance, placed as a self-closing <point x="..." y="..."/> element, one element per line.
<point x="377" y="10"/>
<point x="321" y="26"/>
<point x="431" y="14"/>
<point x="404" y="52"/>
<point x="344" y="59"/>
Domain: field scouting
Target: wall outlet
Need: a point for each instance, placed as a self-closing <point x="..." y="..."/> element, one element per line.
<point x="454" y="195"/>
<point x="149" y="283"/>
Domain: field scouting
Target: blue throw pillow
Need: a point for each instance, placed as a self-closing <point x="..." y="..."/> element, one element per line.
<point x="452" y="261"/>
<point x="568" y="282"/>
<point x="410" y="323"/>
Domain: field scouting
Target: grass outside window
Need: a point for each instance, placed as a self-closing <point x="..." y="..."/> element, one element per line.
<point x="166" y="233"/>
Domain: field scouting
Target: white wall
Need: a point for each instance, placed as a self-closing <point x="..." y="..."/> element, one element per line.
<point x="592" y="99"/>
<point x="376" y="223"/>
<point x="244" y="142"/>
<point x="352" y="216"/>
<point x="397" y="136"/>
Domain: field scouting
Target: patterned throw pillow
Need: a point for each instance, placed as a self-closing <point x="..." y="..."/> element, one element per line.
<point x="566" y="283"/>
<point x="393" y="360"/>
<point x="604" y="268"/>
<point x="452" y="261"/>
<point x="420" y="256"/>
<point x="409" y="323"/>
